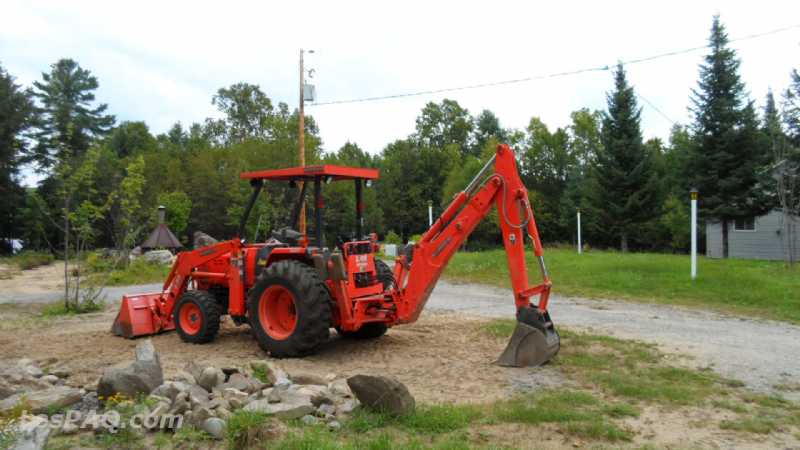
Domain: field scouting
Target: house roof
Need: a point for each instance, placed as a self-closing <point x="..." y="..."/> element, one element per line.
<point x="161" y="237"/>
<point x="311" y="172"/>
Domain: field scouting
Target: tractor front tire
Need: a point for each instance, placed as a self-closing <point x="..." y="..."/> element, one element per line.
<point x="289" y="309"/>
<point x="197" y="316"/>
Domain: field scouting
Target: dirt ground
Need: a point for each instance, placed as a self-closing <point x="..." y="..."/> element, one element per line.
<point x="39" y="280"/>
<point x="443" y="358"/>
<point x="438" y="358"/>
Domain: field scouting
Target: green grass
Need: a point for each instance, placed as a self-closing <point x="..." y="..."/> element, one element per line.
<point x="28" y="259"/>
<point x="58" y="309"/>
<point x="137" y="272"/>
<point x="629" y="373"/>
<point x="752" y="288"/>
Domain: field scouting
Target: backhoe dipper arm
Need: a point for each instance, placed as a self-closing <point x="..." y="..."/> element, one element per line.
<point x="503" y="189"/>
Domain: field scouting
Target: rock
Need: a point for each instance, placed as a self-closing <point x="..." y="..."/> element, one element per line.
<point x="340" y="388"/>
<point x="199" y="415"/>
<point x="223" y="413"/>
<point x="68" y="428"/>
<point x="33" y="433"/>
<point x="42" y="401"/>
<point x="242" y="383"/>
<point x="292" y="406"/>
<point x="203" y="240"/>
<point x="326" y="410"/>
<point x="334" y="425"/>
<point x="52" y="379"/>
<point x="229" y="370"/>
<point x="272" y="374"/>
<point x="309" y="420"/>
<point x="89" y="402"/>
<point x="330" y="377"/>
<point x="210" y="378"/>
<point x="346" y="407"/>
<point x="181" y="403"/>
<point x="308" y="378"/>
<point x="140" y="377"/>
<point x="158" y="256"/>
<point x="185" y="377"/>
<point x="382" y="394"/>
<point x="60" y="372"/>
<point x="236" y="398"/>
<point x="214" y="426"/>
<point x="318" y="394"/>
<point x="6" y="389"/>
<point x="157" y="399"/>
<point x="219" y="402"/>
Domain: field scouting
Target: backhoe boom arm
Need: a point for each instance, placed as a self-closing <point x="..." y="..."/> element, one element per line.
<point x="503" y="189"/>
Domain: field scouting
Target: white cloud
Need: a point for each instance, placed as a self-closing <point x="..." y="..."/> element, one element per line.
<point x="162" y="61"/>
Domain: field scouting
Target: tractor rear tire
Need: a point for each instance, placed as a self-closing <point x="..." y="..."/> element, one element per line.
<point x="372" y="330"/>
<point x="289" y="309"/>
<point x="196" y="316"/>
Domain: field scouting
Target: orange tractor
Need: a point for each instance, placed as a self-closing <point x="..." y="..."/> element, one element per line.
<point x="291" y="289"/>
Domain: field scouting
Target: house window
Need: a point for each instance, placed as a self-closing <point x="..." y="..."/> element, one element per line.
<point x="748" y="224"/>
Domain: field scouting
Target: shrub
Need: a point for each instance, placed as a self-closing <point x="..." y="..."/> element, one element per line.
<point x="392" y="238"/>
<point x="31" y="259"/>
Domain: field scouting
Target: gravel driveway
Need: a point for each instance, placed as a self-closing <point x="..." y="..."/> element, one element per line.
<point x="760" y="353"/>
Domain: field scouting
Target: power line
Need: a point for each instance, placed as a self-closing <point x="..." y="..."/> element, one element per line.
<point x="650" y="104"/>
<point x="552" y="75"/>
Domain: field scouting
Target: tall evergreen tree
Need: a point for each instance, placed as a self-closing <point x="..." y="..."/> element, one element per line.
<point x="727" y="154"/>
<point x="627" y="192"/>
<point x="69" y="121"/>
<point x="791" y="109"/>
<point x="16" y="117"/>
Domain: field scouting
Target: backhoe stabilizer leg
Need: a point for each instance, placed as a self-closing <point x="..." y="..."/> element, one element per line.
<point x="534" y="342"/>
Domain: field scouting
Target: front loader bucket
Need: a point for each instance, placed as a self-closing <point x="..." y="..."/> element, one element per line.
<point x="534" y="342"/>
<point x="138" y="316"/>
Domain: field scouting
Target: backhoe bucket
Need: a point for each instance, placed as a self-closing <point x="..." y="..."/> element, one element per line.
<point x="532" y="344"/>
<point x="138" y="316"/>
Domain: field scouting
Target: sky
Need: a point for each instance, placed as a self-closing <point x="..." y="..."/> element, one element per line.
<point x="161" y="62"/>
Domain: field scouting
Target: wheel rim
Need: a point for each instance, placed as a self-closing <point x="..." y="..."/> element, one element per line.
<point x="277" y="313"/>
<point x="191" y="318"/>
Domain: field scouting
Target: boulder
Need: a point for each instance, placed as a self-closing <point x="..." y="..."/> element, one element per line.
<point x="140" y="377"/>
<point x="52" y="379"/>
<point x="210" y="378"/>
<point x="334" y="425"/>
<point x="346" y="407"/>
<point x="214" y="426"/>
<point x="382" y="394"/>
<point x="158" y="256"/>
<point x="42" y="401"/>
<point x="32" y="433"/>
<point x="203" y="240"/>
<point x="272" y="373"/>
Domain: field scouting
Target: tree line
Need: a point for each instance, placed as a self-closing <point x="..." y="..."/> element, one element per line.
<point x="102" y="180"/>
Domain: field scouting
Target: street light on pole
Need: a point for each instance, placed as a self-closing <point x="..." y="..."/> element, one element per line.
<point x="694" y="194"/>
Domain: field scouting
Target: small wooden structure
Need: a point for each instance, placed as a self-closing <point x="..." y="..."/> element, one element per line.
<point x="161" y="237"/>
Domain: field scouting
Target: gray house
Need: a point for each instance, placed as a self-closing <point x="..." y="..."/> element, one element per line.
<point x="764" y="237"/>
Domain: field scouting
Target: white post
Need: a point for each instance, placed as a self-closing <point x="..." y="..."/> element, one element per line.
<point x="694" y="233"/>
<point x="580" y="247"/>
<point x="430" y="213"/>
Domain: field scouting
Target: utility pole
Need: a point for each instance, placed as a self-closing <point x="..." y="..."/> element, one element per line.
<point x="430" y="213"/>
<point x="302" y="139"/>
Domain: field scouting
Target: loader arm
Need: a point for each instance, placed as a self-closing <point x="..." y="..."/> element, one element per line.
<point x="418" y="271"/>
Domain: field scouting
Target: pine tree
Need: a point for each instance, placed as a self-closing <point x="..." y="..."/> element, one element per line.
<point x="68" y="120"/>
<point x="16" y="117"/>
<point x="727" y="152"/>
<point x="626" y="193"/>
